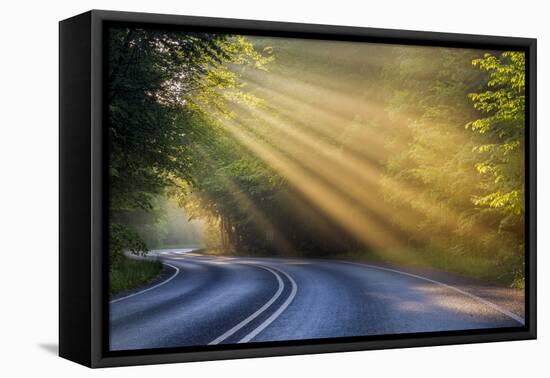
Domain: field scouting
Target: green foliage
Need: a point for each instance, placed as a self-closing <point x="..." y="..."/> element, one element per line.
<point x="436" y="165"/>
<point x="122" y="238"/>
<point x="176" y="99"/>
<point x="502" y="163"/>
<point x="156" y="81"/>
<point x="467" y="191"/>
<point x="229" y="185"/>
<point x="163" y="87"/>
<point x="132" y="273"/>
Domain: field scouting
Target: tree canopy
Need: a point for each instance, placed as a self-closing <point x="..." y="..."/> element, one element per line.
<point x="304" y="147"/>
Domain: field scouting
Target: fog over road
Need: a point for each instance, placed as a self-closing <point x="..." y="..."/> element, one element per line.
<point x="218" y="300"/>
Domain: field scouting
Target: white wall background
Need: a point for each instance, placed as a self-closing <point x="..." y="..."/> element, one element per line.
<point x="28" y="186"/>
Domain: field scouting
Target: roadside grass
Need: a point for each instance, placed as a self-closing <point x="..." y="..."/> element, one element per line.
<point x="131" y="273"/>
<point x="492" y="270"/>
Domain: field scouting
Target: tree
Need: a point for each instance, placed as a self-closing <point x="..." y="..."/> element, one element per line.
<point x="464" y="189"/>
<point x="433" y="163"/>
<point x="502" y="156"/>
<point x="162" y="87"/>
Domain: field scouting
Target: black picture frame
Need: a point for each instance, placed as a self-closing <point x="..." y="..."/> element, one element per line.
<point x="83" y="271"/>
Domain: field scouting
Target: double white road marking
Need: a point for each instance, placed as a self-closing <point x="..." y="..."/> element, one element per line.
<point x="294" y="288"/>
<point x="271" y="319"/>
<point x="261" y="327"/>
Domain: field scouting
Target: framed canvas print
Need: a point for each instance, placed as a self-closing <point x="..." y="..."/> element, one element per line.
<point x="234" y="188"/>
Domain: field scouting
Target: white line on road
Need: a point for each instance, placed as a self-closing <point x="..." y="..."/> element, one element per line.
<point x="470" y="295"/>
<point x="152" y="287"/>
<point x="258" y="312"/>
<point x="276" y="314"/>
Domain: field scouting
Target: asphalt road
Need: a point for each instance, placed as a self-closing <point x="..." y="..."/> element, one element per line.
<point x="214" y="300"/>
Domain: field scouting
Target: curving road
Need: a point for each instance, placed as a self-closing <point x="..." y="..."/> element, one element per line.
<point x="214" y="300"/>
